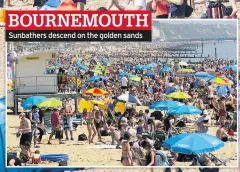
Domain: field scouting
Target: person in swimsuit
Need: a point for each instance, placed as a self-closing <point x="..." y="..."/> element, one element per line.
<point x="115" y="134"/>
<point x="91" y="127"/>
<point x="150" y="155"/>
<point x="98" y="123"/>
<point x="210" y="92"/>
<point x="126" y="158"/>
<point x="222" y="110"/>
<point x="222" y="134"/>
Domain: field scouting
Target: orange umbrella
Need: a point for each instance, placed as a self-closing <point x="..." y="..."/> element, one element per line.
<point x="67" y="5"/>
<point x="96" y="92"/>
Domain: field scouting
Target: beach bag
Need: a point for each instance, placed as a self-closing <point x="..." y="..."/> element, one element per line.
<point x="59" y="133"/>
<point x="188" y="11"/>
<point x="215" y="10"/>
<point x="82" y="137"/>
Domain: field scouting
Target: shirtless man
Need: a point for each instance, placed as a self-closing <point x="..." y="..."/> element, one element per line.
<point x="91" y="126"/>
<point x="222" y="134"/>
<point x="222" y="110"/>
<point x="210" y="91"/>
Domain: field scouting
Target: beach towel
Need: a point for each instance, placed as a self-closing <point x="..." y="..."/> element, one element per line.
<point x="215" y="10"/>
<point x="161" y="159"/>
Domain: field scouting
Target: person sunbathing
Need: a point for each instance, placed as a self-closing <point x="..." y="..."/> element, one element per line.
<point x="222" y="134"/>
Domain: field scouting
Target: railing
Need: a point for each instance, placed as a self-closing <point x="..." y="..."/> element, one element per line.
<point x="45" y="85"/>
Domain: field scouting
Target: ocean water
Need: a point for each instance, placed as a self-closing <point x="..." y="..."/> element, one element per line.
<point x="227" y="49"/>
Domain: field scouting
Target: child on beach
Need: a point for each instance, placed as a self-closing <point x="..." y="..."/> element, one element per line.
<point x="36" y="157"/>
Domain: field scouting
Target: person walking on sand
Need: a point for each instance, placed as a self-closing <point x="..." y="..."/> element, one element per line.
<point x="35" y="120"/>
<point x="91" y="127"/>
<point x="55" y="121"/>
<point x="25" y="129"/>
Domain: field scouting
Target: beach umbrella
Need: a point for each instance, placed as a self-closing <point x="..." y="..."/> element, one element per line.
<point x="139" y="67"/>
<point x="222" y="90"/>
<point x="95" y="78"/>
<point x="52" y="102"/>
<point x="108" y="71"/>
<point x="170" y="90"/>
<point x="186" y="71"/>
<point x="220" y="80"/>
<point x="178" y="95"/>
<point x="166" y="69"/>
<point x="149" y="74"/>
<point x="165" y="105"/>
<point x="81" y="66"/>
<point x="96" y="92"/>
<point x="233" y="67"/>
<point x="104" y="60"/>
<point x="123" y="74"/>
<point x="30" y="101"/>
<point x="202" y="75"/>
<point x="182" y="63"/>
<point x="134" y="78"/>
<point x="67" y="5"/>
<point x="193" y="143"/>
<point x="128" y="98"/>
<point x="185" y="110"/>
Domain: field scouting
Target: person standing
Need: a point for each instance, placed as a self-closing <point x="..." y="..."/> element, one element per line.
<point x="55" y="121"/>
<point x="161" y="7"/>
<point x="25" y="129"/>
<point x="124" y="81"/>
<point x="222" y="110"/>
<point x="203" y="122"/>
<point x="67" y="121"/>
<point x="35" y="120"/>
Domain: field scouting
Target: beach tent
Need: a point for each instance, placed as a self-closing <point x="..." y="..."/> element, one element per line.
<point x="51" y="5"/>
<point x="67" y="5"/>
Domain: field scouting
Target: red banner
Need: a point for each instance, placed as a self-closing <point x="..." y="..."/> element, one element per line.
<point x="78" y="20"/>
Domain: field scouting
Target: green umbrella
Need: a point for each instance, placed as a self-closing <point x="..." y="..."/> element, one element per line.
<point x="52" y="102"/>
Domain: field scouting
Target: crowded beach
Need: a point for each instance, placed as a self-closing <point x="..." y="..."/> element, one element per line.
<point x="160" y="9"/>
<point x="134" y="108"/>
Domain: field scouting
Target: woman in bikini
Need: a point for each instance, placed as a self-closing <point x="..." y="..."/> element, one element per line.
<point x="126" y="158"/>
<point x="91" y="127"/>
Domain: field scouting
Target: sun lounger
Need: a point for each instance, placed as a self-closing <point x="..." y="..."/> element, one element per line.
<point x="217" y="161"/>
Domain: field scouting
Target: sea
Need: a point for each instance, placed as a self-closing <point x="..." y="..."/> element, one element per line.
<point x="225" y="50"/>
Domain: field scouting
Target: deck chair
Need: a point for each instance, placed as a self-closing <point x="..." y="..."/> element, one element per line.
<point x="217" y="161"/>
